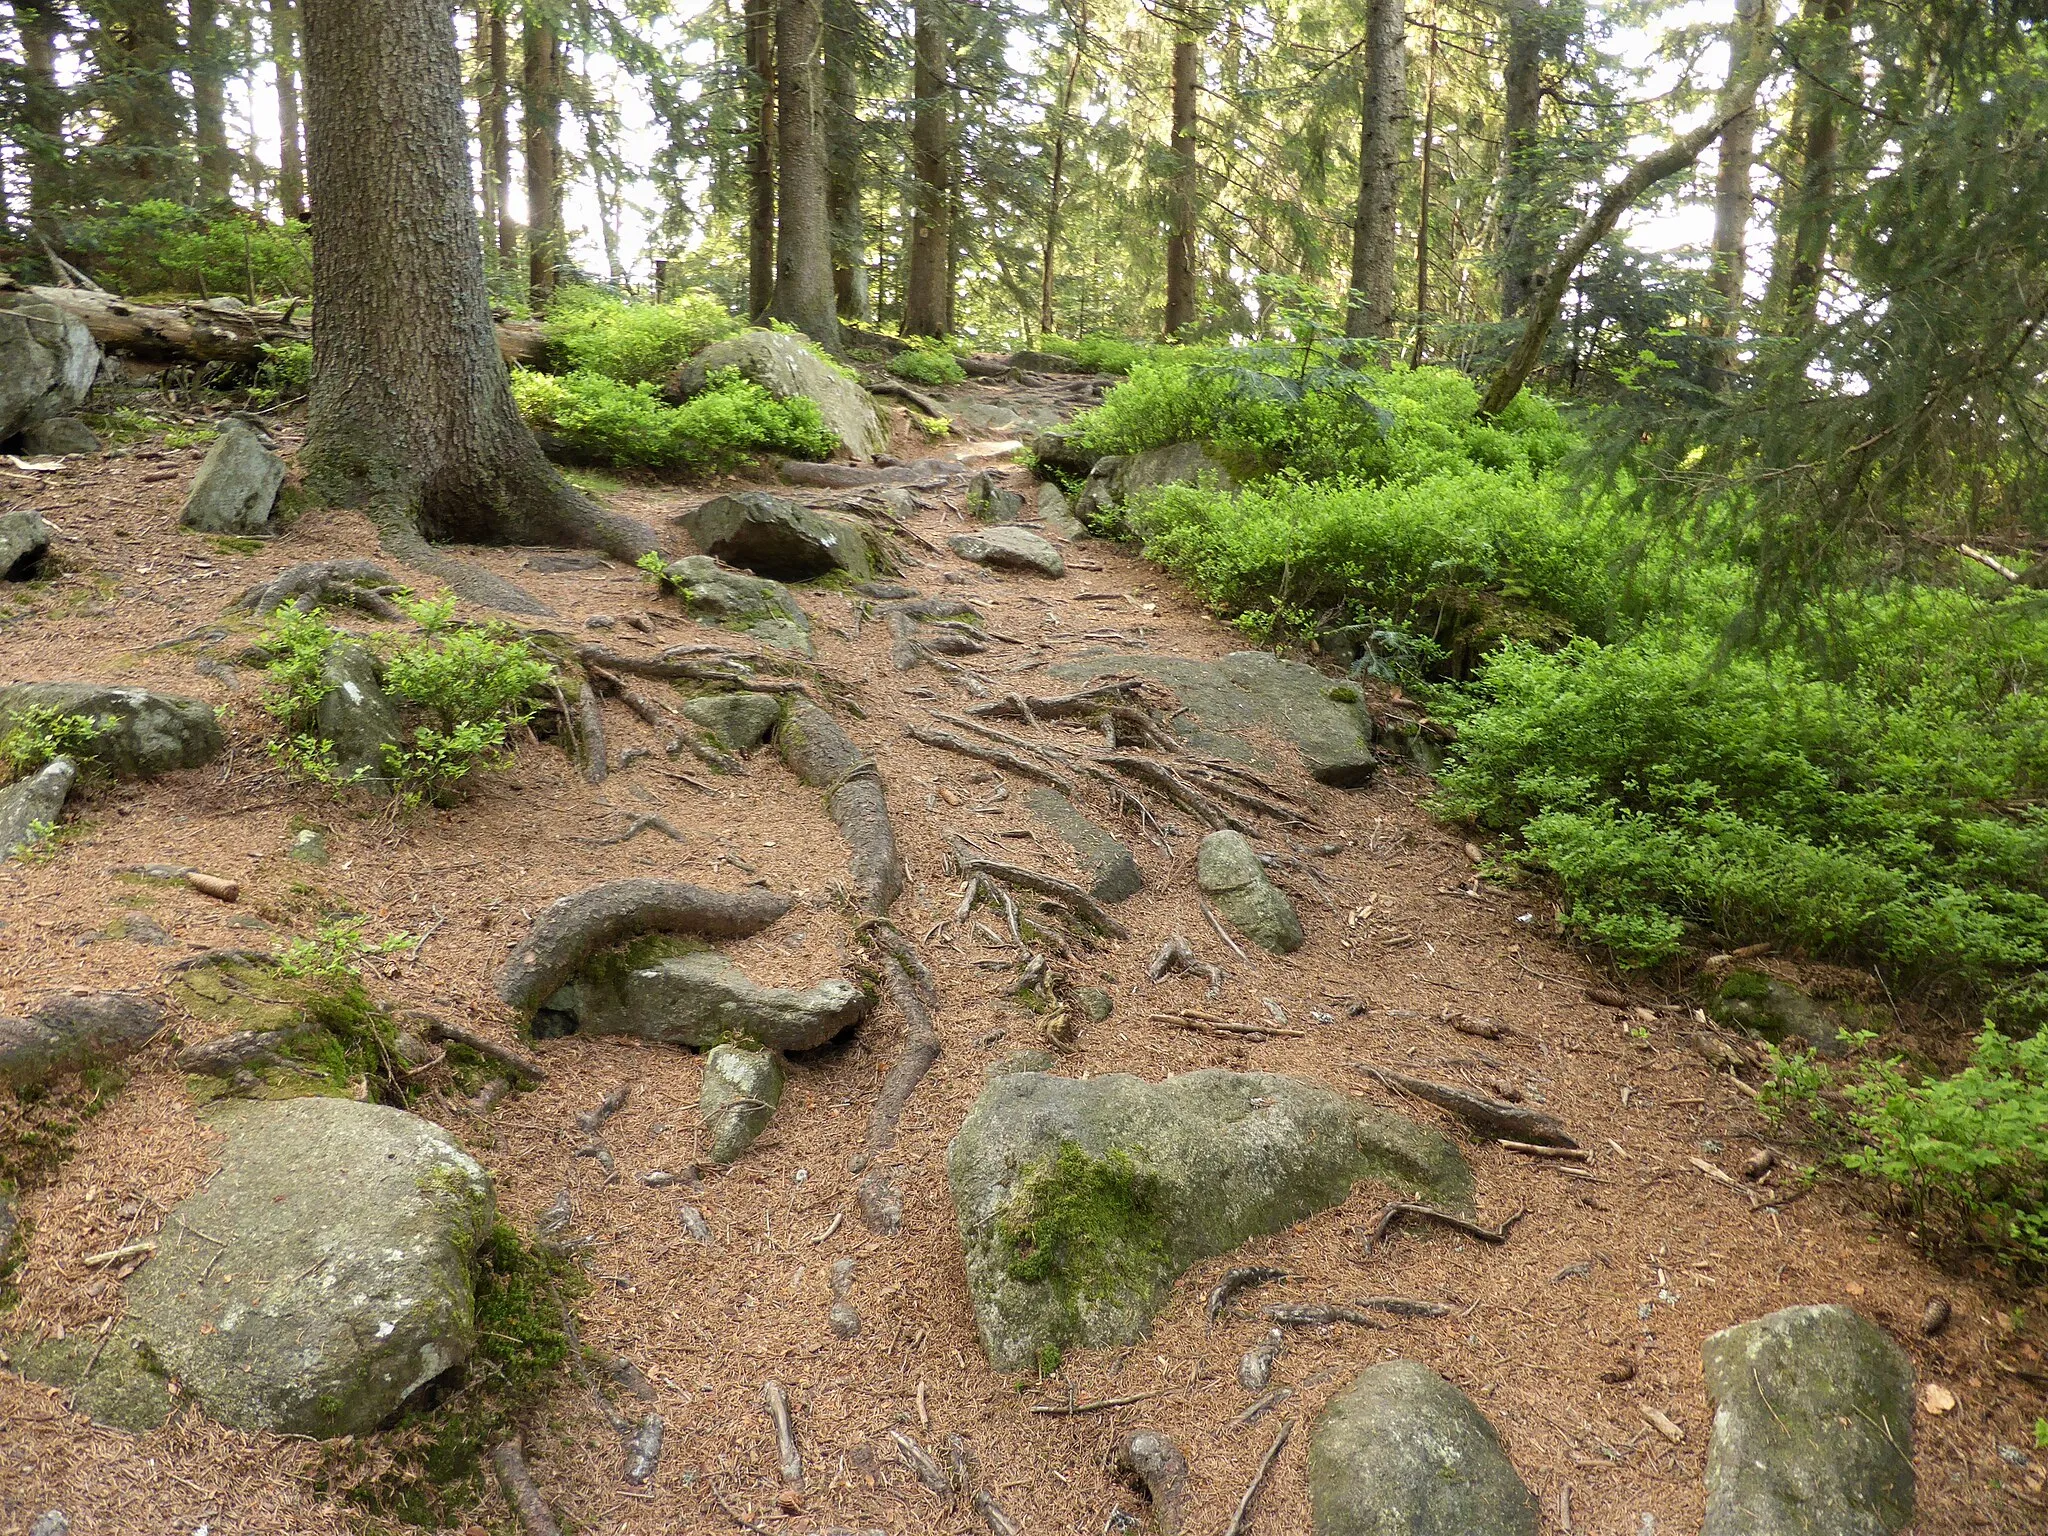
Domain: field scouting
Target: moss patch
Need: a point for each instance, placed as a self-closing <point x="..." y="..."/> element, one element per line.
<point x="1089" y="1229"/>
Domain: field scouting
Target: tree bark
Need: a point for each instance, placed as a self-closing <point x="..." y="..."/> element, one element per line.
<point x="410" y="418"/>
<point x="40" y="137"/>
<point x="207" y="69"/>
<point x="1056" y="185"/>
<point x="843" y="157"/>
<point x="284" y="59"/>
<point x="1810" y="205"/>
<point x="541" y="115"/>
<point x="803" y="226"/>
<point x="927" y="296"/>
<point x="1747" y="38"/>
<point x="1521" y="105"/>
<point x="1185" y="191"/>
<point x="760" y="42"/>
<point x="1643" y="175"/>
<point x="1382" y="151"/>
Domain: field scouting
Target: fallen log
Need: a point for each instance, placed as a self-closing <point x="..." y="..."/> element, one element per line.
<point x="215" y="331"/>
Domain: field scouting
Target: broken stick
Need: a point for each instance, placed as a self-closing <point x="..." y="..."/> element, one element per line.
<point x="1503" y="1122"/>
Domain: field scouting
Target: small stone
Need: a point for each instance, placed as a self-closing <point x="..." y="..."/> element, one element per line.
<point x="24" y="541"/>
<point x="1011" y="549"/>
<point x="1228" y="871"/>
<point x="990" y="501"/>
<point x="235" y="491"/>
<point x="694" y="1224"/>
<point x="751" y="605"/>
<point x="1255" y="1369"/>
<point x="739" y="722"/>
<point x="51" y="1523"/>
<point x="600" y="621"/>
<point x="844" y="1321"/>
<point x="1056" y="511"/>
<point x="881" y="1204"/>
<point x="308" y="846"/>
<point x="742" y="1086"/>
<point x="1095" y="1004"/>
<point x="62" y="436"/>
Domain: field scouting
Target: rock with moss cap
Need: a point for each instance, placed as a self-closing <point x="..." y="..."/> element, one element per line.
<point x="137" y="734"/>
<point x="1402" y="1452"/>
<point x="753" y="605"/>
<point x="787" y="366"/>
<point x="1228" y="870"/>
<point x="1813" y="1427"/>
<point x="334" y="1279"/>
<point x="742" y="1085"/>
<point x="739" y="722"/>
<point x="1777" y="1011"/>
<point x="682" y="993"/>
<point x="1081" y="1200"/>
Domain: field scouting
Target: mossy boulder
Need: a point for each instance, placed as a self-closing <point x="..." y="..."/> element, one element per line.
<point x="235" y="491"/>
<point x="355" y="717"/>
<point x="322" y="1275"/>
<point x="682" y="993"/>
<point x="1228" y="870"/>
<point x="67" y="1033"/>
<point x="1081" y="1201"/>
<point x="1813" y="1427"/>
<point x="140" y="734"/>
<point x="787" y="366"/>
<point x="1402" y="1452"/>
<point x="1777" y="1012"/>
<point x="753" y="605"/>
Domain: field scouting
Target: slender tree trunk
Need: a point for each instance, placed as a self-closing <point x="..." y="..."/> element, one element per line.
<point x="604" y="178"/>
<point x="926" y="296"/>
<point x="843" y="157"/>
<point x="1521" y="104"/>
<point x="1423" y="190"/>
<point x="1749" y="36"/>
<point x="1382" y="151"/>
<point x="1811" y="203"/>
<point x="492" y="188"/>
<point x="41" y="134"/>
<point x="410" y="418"/>
<point x="541" y="114"/>
<point x="1640" y="177"/>
<point x="284" y="59"/>
<point x="1185" y="191"/>
<point x="803" y="225"/>
<point x="140" y="154"/>
<point x="1056" y="185"/>
<point x="761" y="152"/>
<point x="498" y="109"/>
<point x="206" y="67"/>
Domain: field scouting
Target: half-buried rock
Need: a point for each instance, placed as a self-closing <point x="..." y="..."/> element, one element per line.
<point x="355" y="717"/>
<point x="136" y="733"/>
<point x="236" y="488"/>
<point x="1082" y="1200"/>
<point x="24" y="541"/>
<point x="753" y="605"/>
<point x="1112" y="870"/>
<point x="333" y="1280"/>
<point x="772" y="536"/>
<point x="1228" y="870"/>
<point x="742" y="1085"/>
<point x="29" y="808"/>
<point x="681" y="993"/>
<point x="1402" y="1452"/>
<point x="1016" y="549"/>
<point x="739" y="722"/>
<point x="1813" y="1427"/>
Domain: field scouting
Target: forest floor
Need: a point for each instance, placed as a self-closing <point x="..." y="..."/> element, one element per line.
<point x="1618" y="1268"/>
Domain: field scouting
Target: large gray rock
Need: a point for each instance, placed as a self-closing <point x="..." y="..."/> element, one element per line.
<point x="1255" y="691"/>
<point x="142" y="734"/>
<point x="24" y="541"/>
<point x="1813" y="1427"/>
<point x="1017" y="549"/>
<point x="1112" y="870"/>
<point x="1227" y="869"/>
<point x="48" y="361"/>
<point x="236" y="488"/>
<point x="60" y="435"/>
<point x="31" y="806"/>
<point x="990" y="501"/>
<point x="341" y="1280"/>
<point x="676" y="991"/>
<point x="1081" y="1201"/>
<point x="1061" y="449"/>
<point x="1778" y="1012"/>
<point x="787" y="366"/>
<point x="1056" y="511"/>
<point x="65" y="1033"/>
<point x="1123" y="479"/>
<point x="739" y="722"/>
<point x="753" y="605"/>
<point x="355" y="717"/>
<point x="1402" y="1452"/>
<point x="772" y="536"/>
<point x="742" y="1086"/>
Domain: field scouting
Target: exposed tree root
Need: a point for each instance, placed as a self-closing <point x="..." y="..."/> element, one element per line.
<point x="1021" y="766"/>
<point x="521" y="1496"/>
<point x="1064" y="891"/>
<point x="402" y="541"/>
<point x="1159" y="1465"/>
<point x="689" y="664"/>
<point x="516" y="1063"/>
<point x="329" y="583"/>
<point x="1503" y="1122"/>
<point x="1400" y="1208"/>
<point x="920" y="1050"/>
<point x="1240" y="1280"/>
<point x="1244" y="1505"/>
<point x="567" y="932"/>
<point x="1177" y="954"/>
<point x="820" y="755"/>
<point x="590" y="727"/>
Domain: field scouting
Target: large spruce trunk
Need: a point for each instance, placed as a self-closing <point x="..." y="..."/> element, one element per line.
<point x="927" y="290"/>
<point x="1382" y="151"/>
<point x="1182" y="196"/>
<point x="760" y="43"/>
<point x="1521" y="108"/>
<point x="284" y="56"/>
<point x="410" y="418"/>
<point x="803" y="228"/>
<point x="843" y="150"/>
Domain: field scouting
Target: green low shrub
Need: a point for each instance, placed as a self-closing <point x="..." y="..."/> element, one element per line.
<point x="927" y="365"/>
<point x="628" y="425"/>
<point x="161" y="246"/>
<point x="1098" y="352"/>
<point x="632" y="343"/>
<point x="37" y="737"/>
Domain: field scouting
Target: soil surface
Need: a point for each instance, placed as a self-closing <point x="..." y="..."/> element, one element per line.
<point x="1618" y="1268"/>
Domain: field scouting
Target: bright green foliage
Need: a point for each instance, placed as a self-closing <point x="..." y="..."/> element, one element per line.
<point x="927" y="365"/>
<point x="336" y="951"/>
<point x="161" y="246"/>
<point x="1970" y="1151"/>
<point x="1098" y="352"/>
<point x="629" y="425"/>
<point x="592" y="332"/>
<point x="37" y="737"/>
<point x="286" y="372"/>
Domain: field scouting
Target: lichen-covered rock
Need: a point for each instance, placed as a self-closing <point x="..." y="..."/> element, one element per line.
<point x="753" y="605"/>
<point x="1255" y="691"/>
<point x="1060" y="449"/>
<point x="679" y="992"/>
<point x="1227" y="869"/>
<point x="64" y="1033"/>
<point x="355" y="717"/>
<point x="1112" y="869"/>
<point x="1813" y="1427"/>
<point x="742" y="1085"/>
<point x="29" y="808"/>
<point x="1199" y="464"/>
<point x="141" y="734"/>
<point x="24" y="541"/>
<point x="990" y="501"/>
<point x="345" y="1282"/>
<point x="772" y="536"/>
<point x="1402" y="1452"/>
<point x="1010" y="548"/>
<point x="787" y="366"/>
<point x="1081" y="1200"/>
<point x="1765" y="1006"/>
<point x="739" y="722"/>
<point x="236" y="488"/>
<point x="48" y="361"/>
